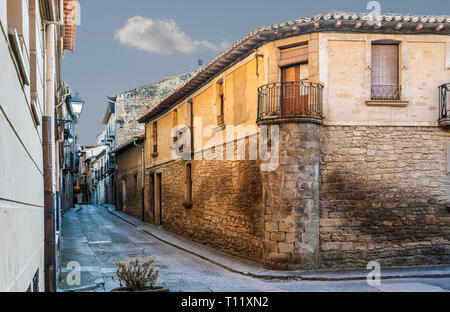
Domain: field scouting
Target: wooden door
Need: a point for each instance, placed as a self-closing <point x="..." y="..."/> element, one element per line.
<point x="152" y="197"/>
<point x="158" y="200"/>
<point x="294" y="95"/>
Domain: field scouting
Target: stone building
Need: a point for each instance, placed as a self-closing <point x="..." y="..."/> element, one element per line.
<point x="128" y="158"/>
<point x="129" y="105"/>
<point x="90" y="174"/>
<point x="33" y="37"/>
<point x="121" y="126"/>
<point x="84" y="175"/>
<point x="349" y="115"/>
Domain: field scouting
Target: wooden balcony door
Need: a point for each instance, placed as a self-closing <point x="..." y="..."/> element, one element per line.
<point x="294" y="96"/>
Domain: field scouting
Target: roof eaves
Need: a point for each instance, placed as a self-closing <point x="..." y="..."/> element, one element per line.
<point x="127" y="143"/>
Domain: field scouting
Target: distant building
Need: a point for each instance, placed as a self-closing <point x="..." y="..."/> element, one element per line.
<point x="83" y="180"/>
<point x="71" y="111"/>
<point x="120" y="123"/>
<point x="128" y="158"/>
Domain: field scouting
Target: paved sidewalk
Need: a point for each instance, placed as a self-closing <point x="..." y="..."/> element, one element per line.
<point x="251" y="269"/>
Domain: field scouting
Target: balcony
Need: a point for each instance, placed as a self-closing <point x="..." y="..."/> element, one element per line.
<point x="444" y="105"/>
<point x="290" y="102"/>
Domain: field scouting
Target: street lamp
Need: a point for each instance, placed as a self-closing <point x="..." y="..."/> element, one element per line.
<point x="77" y="104"/>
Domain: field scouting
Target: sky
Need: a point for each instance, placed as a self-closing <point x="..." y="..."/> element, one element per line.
<point x="123" y="44"/>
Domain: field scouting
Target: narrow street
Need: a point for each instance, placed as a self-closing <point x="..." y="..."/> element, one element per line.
<point x="97" y="239"/>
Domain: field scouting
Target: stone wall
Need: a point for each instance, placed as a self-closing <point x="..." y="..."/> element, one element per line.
<point x="384" y="195"/>
<point x="130" y="105"/>
<point x="291" y="200"/>
<point x="226" y="212"/>
<point x="128" y="174"/>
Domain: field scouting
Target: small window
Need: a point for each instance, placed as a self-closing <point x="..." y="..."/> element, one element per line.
<point x="220" y="103"/>
<point x="15" y="33"/>
<point x="155" y="139"/>
<point x="188" y="187"/>
<point x="385" y="72"/>
<point x="175" y="117"/>
<point x="175" y="123"/>
<point x="221" y="117"/>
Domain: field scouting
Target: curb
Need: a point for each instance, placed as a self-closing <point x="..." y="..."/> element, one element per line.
<point x="84" y="288"/>
<point x="304" y="276"/>
<point x="253" y="275"/>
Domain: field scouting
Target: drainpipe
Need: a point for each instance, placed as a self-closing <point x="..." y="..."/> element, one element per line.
<point x="142" y="178"/>
<point x="49" y="169"/>
<point x="49" y="238"/>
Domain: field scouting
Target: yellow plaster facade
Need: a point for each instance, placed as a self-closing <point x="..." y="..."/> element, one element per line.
<point x="339" y="61"/>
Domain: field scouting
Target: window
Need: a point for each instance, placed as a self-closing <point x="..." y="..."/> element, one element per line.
<point x="155" y="139"/>
<point x="175" y="123"/>
<point x="293" y="55"/>
<point x="175" y="117"/>
<point x="188" y="186"/>
<point x="220" y="104"/>
<point x="15" y="15"/>
<point x="15" y="34"/>
<point x="385" y="72"/>
<point x="33" y="61"/>
<point x="221" y="117"/>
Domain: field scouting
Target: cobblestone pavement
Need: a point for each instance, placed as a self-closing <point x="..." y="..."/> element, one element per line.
<point x="97" y="240"/>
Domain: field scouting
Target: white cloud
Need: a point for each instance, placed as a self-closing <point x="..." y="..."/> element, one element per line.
<point x="160" y="36"/>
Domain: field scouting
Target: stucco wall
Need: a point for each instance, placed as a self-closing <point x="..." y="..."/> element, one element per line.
<point x="345" y="71"/>
<point x="21" y="172"/>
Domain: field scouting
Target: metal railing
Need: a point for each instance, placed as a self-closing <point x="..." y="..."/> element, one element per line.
<point x="444" y="101"/>
<point x="290" y="99"/>
<point x="386" y="92"/>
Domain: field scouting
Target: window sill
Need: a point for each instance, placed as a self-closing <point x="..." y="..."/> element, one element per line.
<point x="389" y="103"/>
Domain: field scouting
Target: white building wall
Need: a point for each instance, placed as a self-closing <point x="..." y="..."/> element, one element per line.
<point x="21" y="165"/>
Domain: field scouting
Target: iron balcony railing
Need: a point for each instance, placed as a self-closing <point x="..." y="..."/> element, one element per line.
<point x="444" y="101"/>
<point x="386" y="92"/>
<point x="290" y="99"/>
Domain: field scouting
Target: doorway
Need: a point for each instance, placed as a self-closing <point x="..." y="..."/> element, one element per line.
<point x="124" y="195"/>
<point x="157" y="192"/>
<point x="294" y="90"/>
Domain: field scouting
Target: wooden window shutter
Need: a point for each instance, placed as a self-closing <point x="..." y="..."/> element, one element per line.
<point x="295" y="55"/>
